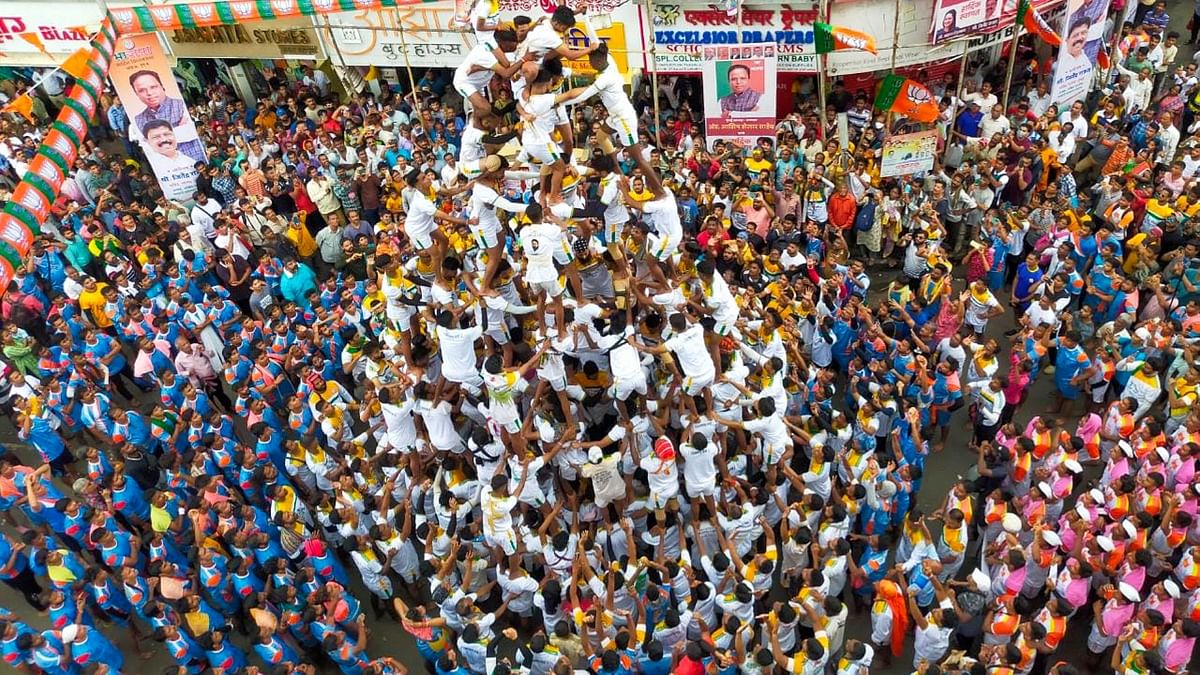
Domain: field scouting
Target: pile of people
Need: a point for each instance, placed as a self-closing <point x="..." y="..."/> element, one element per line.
<point x="561" y="389"/>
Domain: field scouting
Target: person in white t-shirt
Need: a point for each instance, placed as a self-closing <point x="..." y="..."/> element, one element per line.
<point x="543" y="245"/>
<point x="497" y="505"/>
<point x="610" y="86"/>
<point x="692" y="355"/>
<point x="422" y="216"/>
<point x="474" y="74"/>
<point x="537" y="107"/>
<point x="700" y="470"/>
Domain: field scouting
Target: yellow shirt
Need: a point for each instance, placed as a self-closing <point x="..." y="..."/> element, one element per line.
<point x="757" y="165"/>
<point x="93" y="303"/>
<point x="302" y="240"/>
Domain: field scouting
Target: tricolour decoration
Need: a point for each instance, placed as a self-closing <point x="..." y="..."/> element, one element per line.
<point x="130" y="20"/>
<point x="906" y="97"/>
<point x="828" y="38"/>
<point x="23" y="215"/>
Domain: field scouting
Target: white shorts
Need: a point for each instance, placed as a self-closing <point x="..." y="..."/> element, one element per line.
<point x="624" y="128"/>
<point x="485" y="237"/>
<point x="552" y="289"/>
<point x="542" y="152"/>
<point x="613" y="232"/>
<point x="505" y="540"/>
<point x="695" y="386"/>
<point x="658" y="500"/>
<point x="472" y="382"/>
<point x="470" y="169"/>
<point x="622" y="388"/>
<point x="701" y="491"/>
<point x="421" y="241"/>
<point x="666" y="249"/>
<point x="466" y="90"/>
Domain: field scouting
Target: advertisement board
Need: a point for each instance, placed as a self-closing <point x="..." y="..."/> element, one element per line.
<point x="739" y="92"/>
<point x="159" y="120"/>
<point x="958" y="19"/>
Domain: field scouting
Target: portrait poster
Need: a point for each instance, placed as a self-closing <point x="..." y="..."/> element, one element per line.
<point x="159" y="120"/>
<point x="1082" y="34"/>
<point x="962" y="19"/>
<point x="906" y="154"/>
<point x="739" y="91"/>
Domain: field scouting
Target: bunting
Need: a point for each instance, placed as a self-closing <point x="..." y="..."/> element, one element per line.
<point x="142" y="19"/>
<point x="22" y="217"/>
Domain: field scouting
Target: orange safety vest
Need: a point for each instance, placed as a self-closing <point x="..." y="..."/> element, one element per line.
<point x="1021" y="467"/>
<point x="1191" y="580"/>
<point x="1056" y="628"/>
<point x="1153" y="503"/>
<point x="964" y="505"/>
<point x="1042" y="441"/>
<point x="1004" y="623"/>
<point x="1120" y="507"/>
<point x="995" y="512"/>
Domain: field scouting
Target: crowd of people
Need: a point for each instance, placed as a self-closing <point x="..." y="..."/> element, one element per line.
<point x="561" y="389"/>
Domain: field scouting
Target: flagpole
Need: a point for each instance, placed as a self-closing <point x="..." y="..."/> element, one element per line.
<point x="892" y="67"/>
<point x="822" y="60"/>
<point x="1012" y="62"/>
<point x="653" y="74"/>
<point x="954" y="105"/>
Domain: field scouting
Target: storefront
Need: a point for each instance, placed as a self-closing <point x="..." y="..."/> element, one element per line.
<point x="426" y="36"/>
<point x="243" y="54"/>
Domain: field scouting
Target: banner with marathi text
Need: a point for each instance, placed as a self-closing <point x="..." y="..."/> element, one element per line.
<point x="739" y="92"/>
<point x="159" y="119"/>
<point x="1082" y="37"/>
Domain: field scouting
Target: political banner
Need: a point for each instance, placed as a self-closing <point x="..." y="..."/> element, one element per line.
<point x="958" y="19"/>
<point x="739" y="92"/>
<point x="159" y="119"/>
<point x="1082" y="34"/>
<point x="906" y="154"/>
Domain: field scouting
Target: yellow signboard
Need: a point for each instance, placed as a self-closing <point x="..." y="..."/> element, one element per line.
<point x="613" y="36"/>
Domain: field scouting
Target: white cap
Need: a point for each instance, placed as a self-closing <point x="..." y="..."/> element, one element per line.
<point x="1105" y="543"/>
<point x="1083" y="512"/>
<point x="1125" y="447"/>
<point x="1131" y="594"/>
<point x="1130" y="529"/>
<point x="1051" y="538"/>
<point x="1011" y="523"/>
<point x="1096" y="495"/>
<point x="981" y="580"/>
<point x="1046" y="489"/>
<point x="1172" y="588"/>
<point x="1142" y="334"/>
<point x="595" y="455"/>
<point x="1073" y="466"/>
<point x="887" y="489"/>
<point x="70" y="633"/>
<point x="1163" y="453"/>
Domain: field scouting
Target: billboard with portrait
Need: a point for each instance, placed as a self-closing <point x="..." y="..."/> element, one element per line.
<point x="1082" y="35"/>
<point x="159" y="120"/>
<point x="959" y="19"/>
<point x="739" y="91"/>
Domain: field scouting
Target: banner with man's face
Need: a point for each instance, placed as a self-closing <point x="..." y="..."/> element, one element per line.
<point x="159" y="120"/>
<point x="739" y="91"/>
<point x="1082" y="33"/>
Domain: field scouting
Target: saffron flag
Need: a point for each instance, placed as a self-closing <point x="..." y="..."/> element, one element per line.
<point x="829" y="38"/>
<point x="1028" y="16"/>
<point x="906" y="97"/>
<point x="1102" y="58"/>
<point x="76" y="64"/>
<point x="22" y="105"/>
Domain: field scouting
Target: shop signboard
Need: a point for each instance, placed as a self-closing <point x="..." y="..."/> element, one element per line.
<point x="279" y="39"/>
<point x="686" y="36"/>
<point x="61" y="27"/>
<point x="433" y="38"/>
